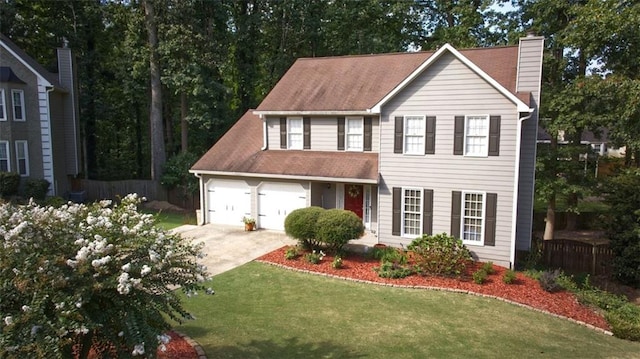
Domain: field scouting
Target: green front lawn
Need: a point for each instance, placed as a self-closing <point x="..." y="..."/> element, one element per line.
<point x="171" y="220"/>
<point x="260" y="311"/>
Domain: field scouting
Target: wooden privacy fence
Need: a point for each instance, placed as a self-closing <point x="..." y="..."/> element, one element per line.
<point x="577" y="257"/>
<point x="97" y="190"/>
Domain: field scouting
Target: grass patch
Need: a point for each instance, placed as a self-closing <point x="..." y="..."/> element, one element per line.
<point x="171" y="220"/>
<point x="260" y="311"/>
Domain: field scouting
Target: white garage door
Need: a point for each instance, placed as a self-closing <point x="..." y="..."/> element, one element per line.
<point x="276" y="201"/>
<point x="228" y="201"/>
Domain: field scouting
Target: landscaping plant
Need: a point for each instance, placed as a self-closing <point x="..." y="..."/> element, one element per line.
<point x="389" y="269"/>
<point x="337" y="262"/>
<point x="291" y="253"/>
<point x="314" y="257"/>
<point x="300" y="224"/>
<point x="83" y="274"/>
<point x="549" y="281"/>
<point x="480" y="276"/>
<point x="509" y="276"/>
<point x="439" y="254"/>
<point x="336" y="227"/>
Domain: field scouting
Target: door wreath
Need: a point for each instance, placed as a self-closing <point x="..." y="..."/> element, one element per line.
<point x="354" y="191"/>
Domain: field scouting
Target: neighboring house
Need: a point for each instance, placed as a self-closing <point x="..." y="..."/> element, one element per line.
<point x="413" y="143"/>
<point x="39" y="134"/>
<point x="599" y="142"/>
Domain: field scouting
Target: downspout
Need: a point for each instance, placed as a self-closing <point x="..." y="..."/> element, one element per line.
<point x="265" y="144"/>
<point x="54" y="183"/>
<point x="200" y="221"/>
<point x="516" y="182"/>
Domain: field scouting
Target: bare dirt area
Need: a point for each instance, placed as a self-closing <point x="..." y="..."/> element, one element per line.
<point x="163" y="206"/>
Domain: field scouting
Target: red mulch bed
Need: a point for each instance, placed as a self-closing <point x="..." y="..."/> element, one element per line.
<point x="525" y="290"/>
<point x="176" y="348"/>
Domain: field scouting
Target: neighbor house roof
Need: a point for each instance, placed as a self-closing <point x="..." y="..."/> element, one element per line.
<point x="29" y="62"/>
<point x="239" y="152"/>
<point x="358" y="83"/>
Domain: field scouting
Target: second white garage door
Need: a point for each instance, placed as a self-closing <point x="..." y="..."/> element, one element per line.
<point x="276" y="201"/>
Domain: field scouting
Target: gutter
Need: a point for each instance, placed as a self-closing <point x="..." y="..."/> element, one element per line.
<point x="516" y="182"/>
<point x="265" y="143"/>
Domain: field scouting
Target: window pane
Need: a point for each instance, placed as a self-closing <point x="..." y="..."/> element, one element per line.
<point x="412" y="211"/>
<point x="476" y="135"/>
<point x="414" y="134"/>
<point x="473" y="217"/>
<point x="294" y="133"/>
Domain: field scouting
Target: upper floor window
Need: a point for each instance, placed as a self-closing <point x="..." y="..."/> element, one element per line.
<point x="3" y="111"/>
<point x="294" y="133"/>
<point x="22" y="158"/>
<point x="17" y="97"/>
<point x="4" y="156"/>
<point x="355" y="133"/>
<point x="476" y="135"/>
<point x="414" y="132"/>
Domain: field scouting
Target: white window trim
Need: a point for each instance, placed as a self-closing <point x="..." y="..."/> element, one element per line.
<point x="289" y="133"/>
<point x="485" y="152"/>
<point x="8" y="159"/>
<point x="420" y="212"/>
<point x="26" y="157"/>
<point x="462" y="217"/>
<point x="347" y="133"/>
<point x="422" y="135"/>
<point x="13" y="106"/>
<point x="3" y="113"/>
<point x="366" y="207"/>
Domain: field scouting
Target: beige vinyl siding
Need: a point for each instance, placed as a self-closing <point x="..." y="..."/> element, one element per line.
<point x="324" y="133"/>
<point x="446" y="89"/>
<point x="529" y="65"/>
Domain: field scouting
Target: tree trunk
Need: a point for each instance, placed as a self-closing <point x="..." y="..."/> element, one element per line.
<point x="572" y="216"/>
<point x="158" y="155"/>
<point x="184" y="126"/>
<point x="550" y="219"/>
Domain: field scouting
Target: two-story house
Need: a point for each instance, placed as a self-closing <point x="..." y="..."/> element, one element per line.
<point x="39" y="133"/>
<point x="413" y="143"/>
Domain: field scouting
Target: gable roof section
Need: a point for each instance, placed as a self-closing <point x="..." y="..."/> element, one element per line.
<point x="239" y="152"/>
<point x="29" y="62"/>
<point x="359" y="83"/>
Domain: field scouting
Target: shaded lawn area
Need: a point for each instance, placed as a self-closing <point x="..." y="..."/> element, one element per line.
<point x="169" y="220"/>
<point x="261" y="311"/>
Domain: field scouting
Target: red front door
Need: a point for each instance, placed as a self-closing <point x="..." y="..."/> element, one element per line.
<point x="353" y="198"/>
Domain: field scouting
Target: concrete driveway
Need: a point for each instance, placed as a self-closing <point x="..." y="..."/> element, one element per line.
<point x="227" y="247"/>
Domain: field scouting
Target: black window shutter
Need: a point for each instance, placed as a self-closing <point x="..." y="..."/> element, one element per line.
<point x="427" y="212"/>
<point x="306" y="125"/>
<point x="283" y="132"/>
<point x="397" y="212"/>
<point x="340" y="133"/>
<point x="399" y="135"/>
<point x="430" y="136"/>
<point x="490" y="220"/>
<point x="458" y="135"/>
<point x="367" y="133"/>
<point x="456" y="203"/>
<point x="494" y="136"/>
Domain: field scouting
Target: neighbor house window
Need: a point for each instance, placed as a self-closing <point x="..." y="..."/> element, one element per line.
<point x="355" y="133"/>
<point x="476" y="135"/>
<point x="3" y="111"/>
<point x="473" y="213"/>
<point x="22" y="158"/>
<point x="18" y="105"/>
<point x="4" y="156"/>
<point x="295" y="139"/>
<point x="414" y="131"/>
<point x="411" y="211"/>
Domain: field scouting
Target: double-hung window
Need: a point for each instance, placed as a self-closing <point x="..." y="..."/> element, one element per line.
<point x="411" y="211"/>
<point x="18" y="105"/>
<point x="295" y="140"/>
<point x="354" y="133"/>
<point x="3" y="108"/>
<point x="476" y="135"/>
<point x="4" y="157"/>
<point x="414" y="132"/>
<point x="473" y="217"/>
<point x="22" y="158"/>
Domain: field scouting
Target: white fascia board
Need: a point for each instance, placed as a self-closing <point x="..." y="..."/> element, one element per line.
<point x="314" y="113"/>
<point x="42" y="79"/>
<point x="292" y="177"/>
<point x="522" y="107"/>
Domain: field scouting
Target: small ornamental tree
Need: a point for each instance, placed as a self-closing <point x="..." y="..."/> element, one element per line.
<point x="335" y="227"/>
<point x="96" y="274"/>
<point x="300" y="224"/>
<point x="439" y="254"/>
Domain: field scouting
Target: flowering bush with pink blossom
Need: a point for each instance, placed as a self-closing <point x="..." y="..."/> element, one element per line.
<point x="81" y="274"/>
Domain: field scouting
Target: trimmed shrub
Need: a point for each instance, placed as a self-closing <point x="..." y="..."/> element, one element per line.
<point x="9" y="183"/>
<point x="439" y="254"/>
<point x="36" y="188"/>
<point x="336" y="227"/>
<point x="549" y="281"/>
<point x="301" y="224"/>
<point x="480" y="276"/>
<point x="509" y="277"/>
